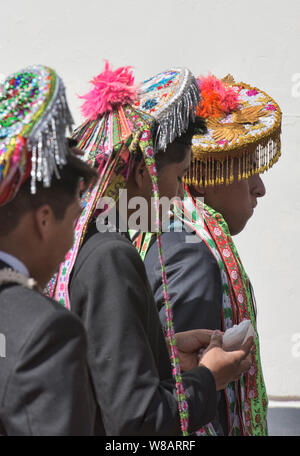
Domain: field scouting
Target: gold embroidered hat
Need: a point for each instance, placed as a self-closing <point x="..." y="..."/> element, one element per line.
<point x="243" y="126"/>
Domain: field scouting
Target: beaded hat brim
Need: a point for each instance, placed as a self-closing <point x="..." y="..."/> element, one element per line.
<point x="171" y="98"/>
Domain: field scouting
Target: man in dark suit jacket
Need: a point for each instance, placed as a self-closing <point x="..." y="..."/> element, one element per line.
<point x="128" y="356"/>
<point x="44" y="385"/>
<point x="127" y="353"/>
<point x="44" y="381"/>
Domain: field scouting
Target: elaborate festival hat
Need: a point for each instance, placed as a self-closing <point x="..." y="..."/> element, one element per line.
<point x="243" y="126"/>
<point x="122" y="121"/>
<point x="34" y="116"/>
<point x="170" y="97"/>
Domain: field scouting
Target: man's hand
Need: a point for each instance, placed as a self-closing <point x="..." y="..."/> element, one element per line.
<point x="226" y="366"/>
<point x="189" y="343"/>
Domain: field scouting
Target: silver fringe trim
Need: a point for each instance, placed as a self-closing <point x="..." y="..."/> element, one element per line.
<point x="47" y="139"/>
<point x="174" y="120"/>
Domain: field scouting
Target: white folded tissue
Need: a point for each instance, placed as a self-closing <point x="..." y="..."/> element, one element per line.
<point x="236" y="336"/>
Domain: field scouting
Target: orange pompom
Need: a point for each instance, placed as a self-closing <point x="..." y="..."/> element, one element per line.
<point x="210" y="105"/>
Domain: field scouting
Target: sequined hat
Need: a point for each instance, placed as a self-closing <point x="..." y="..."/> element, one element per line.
<point x="171" y="98"/>
<point x="34" y="116"/>
<point x="243" y="126"/>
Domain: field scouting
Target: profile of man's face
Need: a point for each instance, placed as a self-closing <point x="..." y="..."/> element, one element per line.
<point x="236" y="201"/>
<point x="169" y="183"/>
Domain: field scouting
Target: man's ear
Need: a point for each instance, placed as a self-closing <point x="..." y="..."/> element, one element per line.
<point x="44" y="221"/>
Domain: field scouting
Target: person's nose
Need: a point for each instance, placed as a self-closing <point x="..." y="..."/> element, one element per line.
<point x="257" y="186"/>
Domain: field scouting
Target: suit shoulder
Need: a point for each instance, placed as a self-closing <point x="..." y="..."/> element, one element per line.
<point x="177" y="246"/>
<point x="31" y="322"/>
<point x="25" y="308"/>
<point x="100" y="247"/>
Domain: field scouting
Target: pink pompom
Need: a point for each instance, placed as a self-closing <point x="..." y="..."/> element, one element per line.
<point x="111" y="89"/>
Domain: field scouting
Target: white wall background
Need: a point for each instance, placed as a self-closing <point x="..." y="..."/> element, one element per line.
<point x="259" y="43"/>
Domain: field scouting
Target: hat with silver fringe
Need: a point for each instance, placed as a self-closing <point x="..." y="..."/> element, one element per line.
<point x="243" y="132"/>
<point x="34" y="116"/>
<point x="171" y="98"/>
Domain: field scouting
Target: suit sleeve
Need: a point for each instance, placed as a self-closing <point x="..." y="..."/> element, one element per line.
<point x="132" y="398"/>
<point x="50" y="391"/>
<point x="194" y="283"/>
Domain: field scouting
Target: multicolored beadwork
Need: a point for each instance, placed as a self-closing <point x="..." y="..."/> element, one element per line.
<point x="33" y="118"/>
<point x="171" y="98"/>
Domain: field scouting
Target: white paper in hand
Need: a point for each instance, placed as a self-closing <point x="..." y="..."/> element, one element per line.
<point x="234" y="337"/>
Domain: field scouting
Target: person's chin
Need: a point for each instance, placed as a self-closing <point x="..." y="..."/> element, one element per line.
<point x="244" y="223"/>
<point x="239" y="228"/>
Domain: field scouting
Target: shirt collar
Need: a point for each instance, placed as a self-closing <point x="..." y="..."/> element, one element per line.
<point x="14" y="263"/>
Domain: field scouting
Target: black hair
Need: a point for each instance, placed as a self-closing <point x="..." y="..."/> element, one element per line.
<point x="176" y="151"/>
<point x="59" y="196"/>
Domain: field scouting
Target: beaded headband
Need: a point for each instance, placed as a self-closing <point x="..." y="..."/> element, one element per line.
<point x="243" y="127"/>
<point x="171" y="98"/>
<point x="34" y="116"/>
